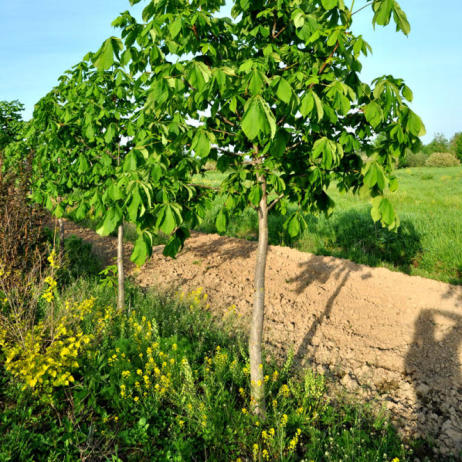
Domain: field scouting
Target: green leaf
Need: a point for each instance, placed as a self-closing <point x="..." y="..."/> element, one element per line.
<point x="373" y="113"/>
<point x="167" y="220"/>
<point x="401" y="20"/>
<point x="112" y="219"/>
<point x="293" y="225"/>
<point x="383" y="10"/>
<point x="135" y="203"/>
<point x="110" y="133"/>
<point x="104" y="58"/>
<point x="370" y="178"/>
<point x="329" y="4"/>
<point x="221" y="222"/>
<point x="201" y="144"/>
<point x="255" y="195"/>
<point x="414" y="124"/>
<point x="307" y="104"/>
<point x="284" y="91"/>
<point x="176" y="243"/>
<point x="258" y="119"/>
<point x="175" y="27"/>
<point x="142" y="250"/>
<point x="298" y="17"/>
<point x="407" y="93"/>
<point x="387" y="211"/>
<point x="199" y="74"/>
<point x="319" y="107"/>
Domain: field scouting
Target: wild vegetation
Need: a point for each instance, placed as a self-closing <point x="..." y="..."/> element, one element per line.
<point x="163" y="380"/>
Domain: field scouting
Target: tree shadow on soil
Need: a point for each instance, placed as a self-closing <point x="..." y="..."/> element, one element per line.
<point x="434" y="363"/>
<point x="353" y="235"/>
<point x="317" y="269"/>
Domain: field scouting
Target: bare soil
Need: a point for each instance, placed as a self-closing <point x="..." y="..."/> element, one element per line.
<point x="385" y="335"/>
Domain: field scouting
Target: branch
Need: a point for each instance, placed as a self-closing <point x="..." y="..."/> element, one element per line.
<point x="222" y="131"/>
<point x="280" y="32"/>
<point x="228" y="121"/>
<point x="203" y="186"/>
<point x="275" y="201"/>
<point x="326" y="62"/>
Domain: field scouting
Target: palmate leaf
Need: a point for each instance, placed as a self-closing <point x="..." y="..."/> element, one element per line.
<point x="142" y="249"/>
<point x="104" y="58"/>
<point x="258" y="119"/>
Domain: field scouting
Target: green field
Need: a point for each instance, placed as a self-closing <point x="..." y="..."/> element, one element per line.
<point x="428" y="243"/>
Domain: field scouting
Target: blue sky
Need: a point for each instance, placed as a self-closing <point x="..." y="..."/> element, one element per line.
<point x="39" y="40"/>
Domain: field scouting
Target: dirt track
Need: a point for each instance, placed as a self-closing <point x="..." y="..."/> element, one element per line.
<point x="385" y="333"/>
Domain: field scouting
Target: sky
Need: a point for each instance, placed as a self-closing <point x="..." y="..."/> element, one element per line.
<point x="39" y="40"/>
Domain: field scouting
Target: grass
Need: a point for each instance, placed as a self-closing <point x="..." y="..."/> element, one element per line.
<point x="428" y="243"/>
<point x="166" y="381"/>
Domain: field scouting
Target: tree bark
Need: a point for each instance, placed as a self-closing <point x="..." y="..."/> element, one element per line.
<point x="120" y="269"/>
<point x="257" y="389"/>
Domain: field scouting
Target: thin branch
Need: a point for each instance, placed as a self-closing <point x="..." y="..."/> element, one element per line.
<point x="360" y="9"/>
<point x="228" y="121"/>
<point x="222" y="131"/>
<point x="275" y="201"/>
<point x="326" y="62"/>
<point x="203" y="186"/>
<point x="280" y="32"/>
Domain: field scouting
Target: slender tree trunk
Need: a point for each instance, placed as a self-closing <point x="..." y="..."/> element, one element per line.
<point x="120" y="269"/>
<point x="61" y="237"/>
<point x="257" y="390"/>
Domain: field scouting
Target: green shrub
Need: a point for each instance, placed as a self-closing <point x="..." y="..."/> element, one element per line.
<point x="416" y="160"/>
<point x="442" y="159"/>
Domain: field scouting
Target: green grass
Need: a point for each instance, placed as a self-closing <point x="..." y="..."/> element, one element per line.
<point x="165" y="381"/>
<point x="429" y="242"/>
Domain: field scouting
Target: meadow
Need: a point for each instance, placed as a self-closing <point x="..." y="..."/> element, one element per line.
<point x="428" y="243"/>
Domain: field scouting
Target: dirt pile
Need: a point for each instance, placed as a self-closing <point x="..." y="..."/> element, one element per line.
<point x="382" y="333"/>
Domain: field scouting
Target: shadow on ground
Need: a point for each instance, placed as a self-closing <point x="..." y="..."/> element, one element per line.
<point x="434" y="363"/>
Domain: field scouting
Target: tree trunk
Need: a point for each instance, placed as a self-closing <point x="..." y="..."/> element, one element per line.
<point x="61" y="238"/>
<point x="120" y="269"/>
<point x="257" y="390"/>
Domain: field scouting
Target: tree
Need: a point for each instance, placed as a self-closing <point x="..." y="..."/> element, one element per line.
<point x="456" y="145"/>
<point x="439" y="144"/>
<point x="278" y="102"/>
<point x="96" y="153"/>
<point x="11" y="122"/>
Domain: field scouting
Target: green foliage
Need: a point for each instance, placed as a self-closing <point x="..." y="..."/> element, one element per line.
<point x="439" y="144"/>
<point x="442" y="159"/>
<point x="166" y="382"/>
<point x="11" y="123"/>
<point x="456" y="145"/>
<point x="416" y="160"/>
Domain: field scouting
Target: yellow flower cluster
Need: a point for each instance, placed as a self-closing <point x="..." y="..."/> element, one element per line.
<point x="197" y="298"/>
<point x="52" y="260"/>
<point x="153" y="376"/>
<point x="49" y="293"/>
<point x="48" y="354"/>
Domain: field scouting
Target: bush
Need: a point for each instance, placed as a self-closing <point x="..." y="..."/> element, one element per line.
<point x="415" y="160"/>
<point x="442" y="159"/>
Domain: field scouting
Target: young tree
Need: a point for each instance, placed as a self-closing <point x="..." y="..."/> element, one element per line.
<point x="278" y="102"/>
<point x="456" y="145"/>
<point x="97" y="153"/>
